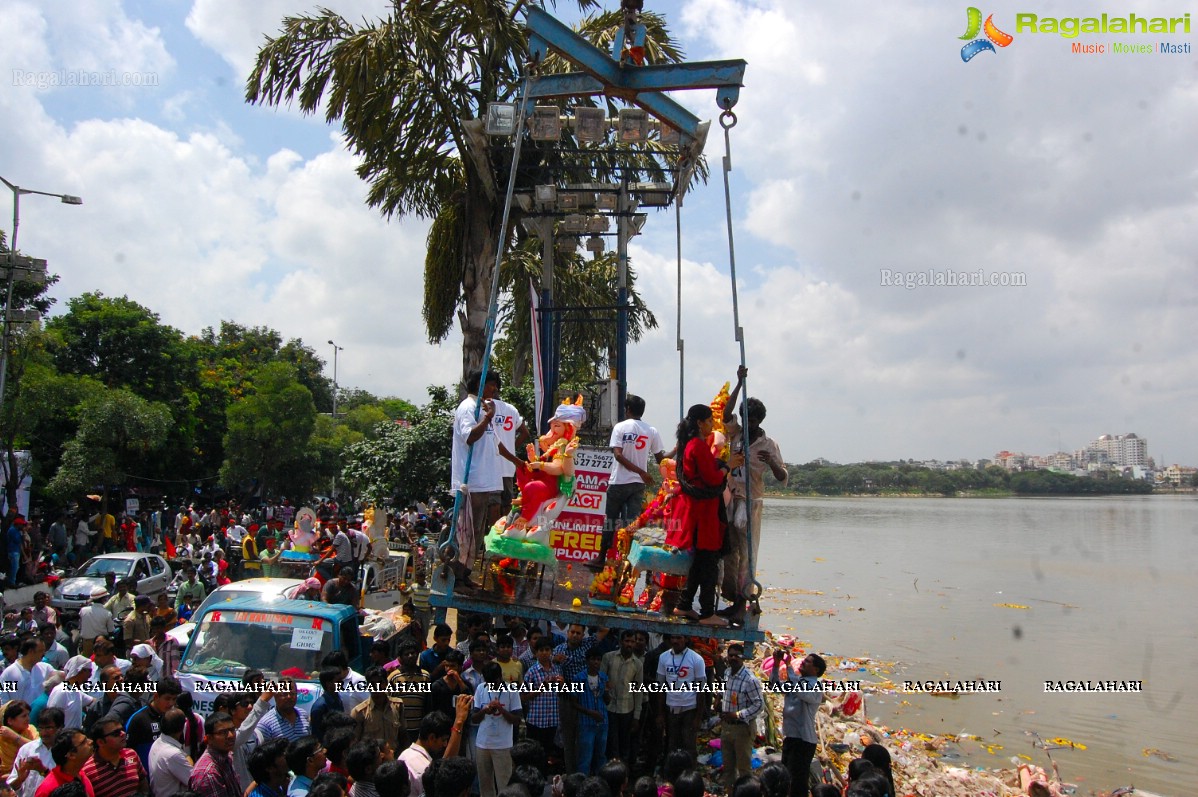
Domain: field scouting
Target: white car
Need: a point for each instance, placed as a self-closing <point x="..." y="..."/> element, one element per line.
<point x="149" y="572"/>
<point x="265" y="588"/>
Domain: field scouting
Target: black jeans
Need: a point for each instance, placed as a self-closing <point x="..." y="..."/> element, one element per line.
<point x="619" y="737"/>
<point x="624" y="503"/>
<point x="797" y="756"/>
<point x="705" y="571"/>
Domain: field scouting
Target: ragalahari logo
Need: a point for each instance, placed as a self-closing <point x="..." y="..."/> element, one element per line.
<point x="993" y="34"/>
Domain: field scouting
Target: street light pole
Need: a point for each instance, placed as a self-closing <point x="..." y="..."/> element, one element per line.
<point x="336" y="349"/>
<point x="17" y="193"/>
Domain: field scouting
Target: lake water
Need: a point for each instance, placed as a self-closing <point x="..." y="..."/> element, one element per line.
<point x="1110" y="589"/>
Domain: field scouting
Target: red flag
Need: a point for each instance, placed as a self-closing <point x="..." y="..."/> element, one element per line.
<point x="171" y="553"/>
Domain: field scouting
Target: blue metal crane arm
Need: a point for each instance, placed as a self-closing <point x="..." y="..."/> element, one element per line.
<point x="603" y="74"/>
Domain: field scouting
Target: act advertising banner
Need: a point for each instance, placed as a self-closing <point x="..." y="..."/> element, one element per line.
<point x="578" y="531"/>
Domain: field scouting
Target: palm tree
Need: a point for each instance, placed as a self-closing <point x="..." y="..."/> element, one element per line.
<point x="408" y="91"/>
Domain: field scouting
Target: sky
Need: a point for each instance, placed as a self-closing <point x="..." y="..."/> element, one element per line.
<point x="866" y="151"/>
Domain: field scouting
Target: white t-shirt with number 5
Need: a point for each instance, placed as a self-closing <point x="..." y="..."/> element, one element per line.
<point x="678" y="670"/>
<point x="636" y="441"/>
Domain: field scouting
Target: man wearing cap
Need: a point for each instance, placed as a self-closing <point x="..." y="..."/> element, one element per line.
<point x="94" y="620"/>
<point x="14" y="540"/>
<point x="251" y="565"/>
<point x="269" y="557"/>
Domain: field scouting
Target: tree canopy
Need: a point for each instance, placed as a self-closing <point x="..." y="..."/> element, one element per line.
<point x="408" y="91"/>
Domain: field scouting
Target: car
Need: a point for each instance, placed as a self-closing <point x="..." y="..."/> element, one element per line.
<point x="150" y="573"/>
<point x="266" y="589"/>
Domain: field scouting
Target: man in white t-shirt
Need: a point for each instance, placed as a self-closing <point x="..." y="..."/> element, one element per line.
<point x="497" y="710"/>
<point x="512" y="434"/>
<point x="236" y="533"/>
<point x="632" y="441"/>
<point x="475" y="437"/>
<point x="678" y="709"/>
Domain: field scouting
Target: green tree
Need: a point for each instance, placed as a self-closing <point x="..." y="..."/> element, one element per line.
<point x="326" y="449"/>
<point x="46" y="415"/>
<point x="408" y="461"/>
<point x="268" y="434"/>
<point x="117" y="432"/>
<point x="123" y="345"/>
<point x="407" y="91"/>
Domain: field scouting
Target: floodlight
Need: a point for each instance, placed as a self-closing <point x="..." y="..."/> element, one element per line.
<point x="574" y="223"/>
<point x="595" y="245"/>
<point x="607" y="201"/>
<point x="597" y="223"/>
<point x="567" y="201"/>
<point x="633" y="125"/>
<point x="545" y="123"/>
<point x="656" y="195"/>
<point x="590" y="124"/>
<point x="545" y="194"/>
<point x="27" y="316"/>
<point x="68" y="199"/>
<point x="670" y="135"/>
<point x="636" y="222"/>
<point x="566" y="243"/>
<point x="501" y="119"/>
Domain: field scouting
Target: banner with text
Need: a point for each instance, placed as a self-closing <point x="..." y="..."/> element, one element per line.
<point x="578" y="532"/>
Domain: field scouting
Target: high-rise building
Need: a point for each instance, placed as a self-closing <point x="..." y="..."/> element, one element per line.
<point x="1122" y="450"/>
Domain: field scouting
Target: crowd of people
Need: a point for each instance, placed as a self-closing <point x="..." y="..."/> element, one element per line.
<point x="515" y="711"/>
<point x="499" y="708"/>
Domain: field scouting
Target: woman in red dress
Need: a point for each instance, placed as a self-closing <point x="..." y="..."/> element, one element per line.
<point x="699" y="520"/>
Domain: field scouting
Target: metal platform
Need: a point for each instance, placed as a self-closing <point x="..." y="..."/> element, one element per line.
<point x="567" y="586"/>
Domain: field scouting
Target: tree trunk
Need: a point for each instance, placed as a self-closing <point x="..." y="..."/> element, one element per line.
<point x="482" y="238"/>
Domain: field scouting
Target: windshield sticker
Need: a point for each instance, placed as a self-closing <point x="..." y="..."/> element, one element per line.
<point x="305" y="638"/>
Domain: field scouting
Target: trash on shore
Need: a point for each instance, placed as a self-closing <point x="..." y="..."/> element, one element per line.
<point x="922" y="763"/>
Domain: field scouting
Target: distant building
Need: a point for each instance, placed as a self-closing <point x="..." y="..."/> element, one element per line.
<point x="1178" y="475"/>
<point x="1010" y="461"/>
<point x="1121" y="450"/>
<point x="1062" y="461"/>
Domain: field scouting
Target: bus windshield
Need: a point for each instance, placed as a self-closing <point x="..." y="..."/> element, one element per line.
<point x="227" y="643"/>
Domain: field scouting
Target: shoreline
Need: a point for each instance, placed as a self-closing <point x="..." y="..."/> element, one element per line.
<point x="923" y="765"/>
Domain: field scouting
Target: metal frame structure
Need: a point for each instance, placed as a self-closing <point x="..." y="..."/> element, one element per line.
<point x="621" y="75"/>
<point x="643" y="86"/>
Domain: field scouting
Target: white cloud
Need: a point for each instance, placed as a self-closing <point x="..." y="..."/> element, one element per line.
<point x="93" y="37"/>
<point x="235" y="29"/>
